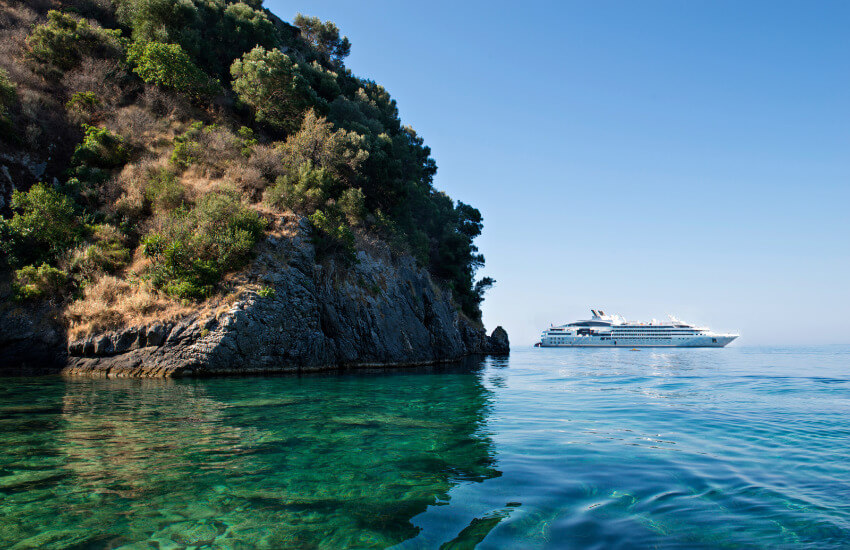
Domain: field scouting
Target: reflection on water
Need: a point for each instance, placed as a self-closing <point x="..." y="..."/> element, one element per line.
<point x="552" y="448"/>
<point x="321" y="461"/>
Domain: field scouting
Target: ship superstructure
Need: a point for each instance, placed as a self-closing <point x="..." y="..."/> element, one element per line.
<point x="614" y="331"/>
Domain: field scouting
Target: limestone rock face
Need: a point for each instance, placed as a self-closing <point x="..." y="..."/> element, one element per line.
<point x="295" y="314"/>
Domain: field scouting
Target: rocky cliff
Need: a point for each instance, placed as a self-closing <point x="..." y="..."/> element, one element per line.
<point x="292" y="314"/>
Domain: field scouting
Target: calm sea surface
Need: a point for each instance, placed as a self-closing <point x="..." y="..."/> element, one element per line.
<point x="551" y="448"/>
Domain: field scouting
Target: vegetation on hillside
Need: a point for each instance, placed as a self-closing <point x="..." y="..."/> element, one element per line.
<point x="171" y="125"/>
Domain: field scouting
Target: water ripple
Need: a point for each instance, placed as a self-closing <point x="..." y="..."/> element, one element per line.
<point x="732" y="448"/>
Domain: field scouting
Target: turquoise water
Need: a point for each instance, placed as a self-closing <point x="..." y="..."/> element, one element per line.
<point x="551" y="448"/>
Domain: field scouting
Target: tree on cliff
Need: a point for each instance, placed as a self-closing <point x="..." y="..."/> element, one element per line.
<point x="271" y="84"/>
<point x="324" y="37"/>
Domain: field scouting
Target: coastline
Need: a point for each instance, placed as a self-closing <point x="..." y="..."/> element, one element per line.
<point x="292" y="314"/>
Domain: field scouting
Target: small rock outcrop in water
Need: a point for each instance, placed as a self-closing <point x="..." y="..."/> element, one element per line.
<point x="498" y="343"/>
<point x="310" y="316"/>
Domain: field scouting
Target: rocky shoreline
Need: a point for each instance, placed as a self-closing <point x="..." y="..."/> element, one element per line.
<point x="293" y="315"/>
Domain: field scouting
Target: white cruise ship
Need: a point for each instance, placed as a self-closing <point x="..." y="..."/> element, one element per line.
<point x="614" y="331"/>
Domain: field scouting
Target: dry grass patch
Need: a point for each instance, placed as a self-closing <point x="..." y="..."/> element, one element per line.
<point x="198" y="183"/>
<point x="138" y="126"/>
<point x="102" y="77"/>
<point x="282" y="225"/>
<point x="111" y="303"/>
<point x="268" y="160"/>
<point x="126" y="191"/>
<point x="247" y="179"/>
<point x="164" y="104"/>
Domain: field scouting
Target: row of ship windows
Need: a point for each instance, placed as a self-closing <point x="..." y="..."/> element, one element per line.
<point x="623" y="338"/>
<point x="560" y="340"/>
<point x="639" y="330"/>
<point x="636" y="338"/>
<point x="615" y="335"/>
<point x="623" y="331"/>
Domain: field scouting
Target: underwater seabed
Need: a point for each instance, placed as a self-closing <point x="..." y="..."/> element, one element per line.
<point x="319" y="461"/>
<point x="545" y="449"/>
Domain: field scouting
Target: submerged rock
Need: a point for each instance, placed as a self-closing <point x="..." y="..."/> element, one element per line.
<point x="190" y="533"/>
<point x="60" y="538"/>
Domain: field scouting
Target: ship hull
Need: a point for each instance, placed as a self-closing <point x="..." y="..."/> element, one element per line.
<point x="696" y="342"/>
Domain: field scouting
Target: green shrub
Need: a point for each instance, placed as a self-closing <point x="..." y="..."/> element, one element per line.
<point x="336" y="150"/>
<point x="33" y="282"/>
<point x="66" y="39"/>
<point x="8" y="95"/>
<point x="331" y="235"/>
<point x="83" y="106"/>
<point x="43" y="226"/>
<point x="185" y="153"/>
<point x="266" y="292"/>
<point x="271" y="84"/>
<point x="8" y="98"/>
<point x="106" y="254"/>
<point x="214" y="148"/>
<point x="227" y="228"/>
<point x="100" y="148"/>
<point x="192" y="249"/>
<point x="168" y="66"/>
<point x="248" y="140"/>
<point x="303" y="191"/>
<point x="352" y="204"/>
<point x="92" y="161"/>
<point x="187" y="150"/>
<point x="153" y="244"/>
<point x="163" y="191"/>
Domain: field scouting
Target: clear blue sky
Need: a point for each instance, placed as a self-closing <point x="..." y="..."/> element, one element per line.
<point x="638" y="157"/>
